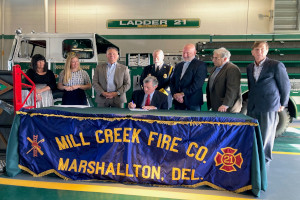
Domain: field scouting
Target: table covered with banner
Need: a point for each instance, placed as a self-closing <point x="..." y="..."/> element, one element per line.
<point x="186" y="148"/>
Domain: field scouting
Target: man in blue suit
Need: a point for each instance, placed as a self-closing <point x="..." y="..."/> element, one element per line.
<point x="269" y="89"/>
<point x="187" y="81"/>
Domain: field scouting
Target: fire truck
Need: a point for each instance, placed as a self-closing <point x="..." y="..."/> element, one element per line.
<point x="55" y="47"/>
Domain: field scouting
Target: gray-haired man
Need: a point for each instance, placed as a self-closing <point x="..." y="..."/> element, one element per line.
<point x="224" y="84"/>
<point x="149" y="98"/>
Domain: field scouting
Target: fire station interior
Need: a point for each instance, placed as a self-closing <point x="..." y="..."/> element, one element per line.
<point x="233" y="24"/>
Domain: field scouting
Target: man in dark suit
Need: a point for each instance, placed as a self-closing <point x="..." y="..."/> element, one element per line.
<point x="111" y="81"/>
<point x="187" y="81"/>
<point x="223" y="90"/>
<point x="269" y="89"/>
<point x="161" y="71"/>
<point x="149" y="98"/>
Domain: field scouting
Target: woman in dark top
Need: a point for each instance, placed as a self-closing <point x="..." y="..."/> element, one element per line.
<point x="44" y="80"/>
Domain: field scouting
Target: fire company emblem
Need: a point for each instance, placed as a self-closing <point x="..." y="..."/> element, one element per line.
<point x="35" y="146"/>
<point x="228" y="160"/>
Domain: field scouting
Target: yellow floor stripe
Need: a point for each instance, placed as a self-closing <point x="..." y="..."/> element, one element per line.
<point x="113" y="190"/>
<point x="288" y="153"/>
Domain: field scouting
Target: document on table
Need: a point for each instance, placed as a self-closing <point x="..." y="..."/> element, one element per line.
<point x="137" y="109"/>
<point x="72" y="106"/>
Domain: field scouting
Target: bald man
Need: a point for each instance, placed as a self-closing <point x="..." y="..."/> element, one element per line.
<point x="187" y="81"/>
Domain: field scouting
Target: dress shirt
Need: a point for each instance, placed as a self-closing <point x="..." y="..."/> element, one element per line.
<point x="213" y="76"/>
<point x="111" y="69"/>
<point x="145" y="98"/>
<point x="257" y="69"/>
<point x="184" y="68"/>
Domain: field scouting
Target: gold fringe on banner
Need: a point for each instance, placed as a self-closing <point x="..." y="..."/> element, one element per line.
<point x="43" y="173"/>
<point x="150" y="121"/>
<point x="243" y="189"/>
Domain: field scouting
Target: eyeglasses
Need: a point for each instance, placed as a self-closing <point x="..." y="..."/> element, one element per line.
<point x="215" y="58"/>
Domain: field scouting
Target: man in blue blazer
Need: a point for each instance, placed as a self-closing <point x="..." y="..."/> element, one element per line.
<point x="155" y="98"/>
<point x="187" y="81"/>
<point x="269" y="89"/>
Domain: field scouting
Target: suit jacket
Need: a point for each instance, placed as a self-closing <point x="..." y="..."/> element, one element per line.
<point x="159" y="100"/>
<point x="163" y="75"/>
<point x="121" y="80"/>
<point x="190" y="84"/>
<point x="226" y="89"/>
<point x="271" y="90"/>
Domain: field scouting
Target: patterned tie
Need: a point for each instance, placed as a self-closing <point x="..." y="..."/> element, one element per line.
<point x="148" y="100"/>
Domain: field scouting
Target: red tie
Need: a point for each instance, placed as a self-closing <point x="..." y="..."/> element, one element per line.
<point x="148" y="100"/>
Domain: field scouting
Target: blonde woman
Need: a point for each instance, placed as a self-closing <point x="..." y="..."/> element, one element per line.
<point x="73" y="81"/>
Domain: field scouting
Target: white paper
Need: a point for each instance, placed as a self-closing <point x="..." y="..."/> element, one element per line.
<point x="72" y="106"/>
<point x="137" y="109"/>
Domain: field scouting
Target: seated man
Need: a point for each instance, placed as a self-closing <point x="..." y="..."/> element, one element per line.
<point x="149" y="98"/>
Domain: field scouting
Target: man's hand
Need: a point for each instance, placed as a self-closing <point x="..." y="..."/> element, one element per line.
<point x="131" y="105"/>
<point x="222" y="108"/>
<point x="179" y="97"/>
<point x="109" y="95"/>
<point x="149" y="107"/>
<point x="281" y="108"/>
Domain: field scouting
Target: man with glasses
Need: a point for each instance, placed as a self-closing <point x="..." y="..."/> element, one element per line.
<point x="223" y="90"/>
<point x="187" y="81"/>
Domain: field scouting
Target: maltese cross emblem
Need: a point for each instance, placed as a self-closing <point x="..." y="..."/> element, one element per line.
<point x="228" y="160"/>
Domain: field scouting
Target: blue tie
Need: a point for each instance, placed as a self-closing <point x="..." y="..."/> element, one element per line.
<point x="184" y="68"/>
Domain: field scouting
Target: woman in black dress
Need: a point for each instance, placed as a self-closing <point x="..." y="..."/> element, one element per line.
<point x="73" y="81"/>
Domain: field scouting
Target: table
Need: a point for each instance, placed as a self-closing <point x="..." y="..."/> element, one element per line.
<point x="187" y="148"/>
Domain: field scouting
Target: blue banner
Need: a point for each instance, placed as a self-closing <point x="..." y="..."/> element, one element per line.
<point x="164" y="150"/>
